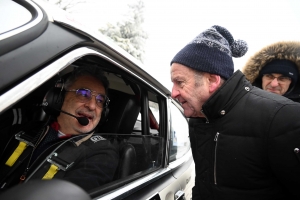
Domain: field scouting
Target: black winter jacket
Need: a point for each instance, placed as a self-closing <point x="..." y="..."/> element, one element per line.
<point x="246" y="146"/>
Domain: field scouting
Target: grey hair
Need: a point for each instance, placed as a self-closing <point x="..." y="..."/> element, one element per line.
<point x="90" y="70"/>
<point x="198" y="78"/>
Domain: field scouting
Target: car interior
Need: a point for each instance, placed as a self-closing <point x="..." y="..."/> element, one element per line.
<point x="133" y="120"/>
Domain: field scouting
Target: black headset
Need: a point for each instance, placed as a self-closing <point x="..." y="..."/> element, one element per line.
<point x="54" y="99"/>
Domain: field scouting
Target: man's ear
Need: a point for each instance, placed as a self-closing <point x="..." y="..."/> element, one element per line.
<point x="214" y="82"/>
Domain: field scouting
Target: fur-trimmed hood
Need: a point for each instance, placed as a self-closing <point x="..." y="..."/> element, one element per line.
<point x="289" y="50"/>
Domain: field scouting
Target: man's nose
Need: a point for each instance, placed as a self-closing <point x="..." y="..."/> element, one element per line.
<point x="175" y="92"/>
<point x="274" y="82"/>
<point x="91" y="104"/>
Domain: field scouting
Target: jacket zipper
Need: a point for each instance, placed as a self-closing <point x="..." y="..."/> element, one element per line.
<point x="215" y="161"/>
<point x="207" y="121"/>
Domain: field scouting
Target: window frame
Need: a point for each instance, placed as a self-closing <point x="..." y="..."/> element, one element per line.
<point x="26" y="32"/>
<point x="30" y="84"/>
<point x="180" y="109"/>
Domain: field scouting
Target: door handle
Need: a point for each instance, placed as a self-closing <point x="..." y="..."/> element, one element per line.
<point x="179" y="195"/>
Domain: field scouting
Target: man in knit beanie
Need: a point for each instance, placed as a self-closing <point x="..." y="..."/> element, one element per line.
<point x="244" y="140"/>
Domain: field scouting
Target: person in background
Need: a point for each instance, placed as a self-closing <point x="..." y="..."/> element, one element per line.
<point x="275" y="68"/>
<point x="245" y="141"/>
<point x="91" y="159"/>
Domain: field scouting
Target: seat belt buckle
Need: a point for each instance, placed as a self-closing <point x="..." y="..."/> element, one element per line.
<point x="23" y="144"/>
<point x="19" y="135"/>
<point x="60" y="163"/>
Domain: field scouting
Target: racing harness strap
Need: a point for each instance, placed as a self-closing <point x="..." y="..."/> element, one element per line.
<point x="64" y="160"/>
<point x="51" y="172"/>
<point x="23" y="144"/>
<point x="16" y="154"/>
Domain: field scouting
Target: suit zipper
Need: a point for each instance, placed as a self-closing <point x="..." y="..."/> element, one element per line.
<point x="215" y="161"/>
<point x="207" y="121"/>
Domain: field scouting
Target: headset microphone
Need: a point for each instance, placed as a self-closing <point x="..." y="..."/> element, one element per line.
<point x="82" y="120"/>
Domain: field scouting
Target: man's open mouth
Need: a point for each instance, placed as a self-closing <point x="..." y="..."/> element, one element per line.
<point x="90" y="117"/>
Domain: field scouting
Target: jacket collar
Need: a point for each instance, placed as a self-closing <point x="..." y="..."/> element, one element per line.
<point x="226" y="97"/>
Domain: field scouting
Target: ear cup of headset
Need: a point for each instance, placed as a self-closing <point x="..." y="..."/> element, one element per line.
<point x="53" y="101"/>
<point x="104" y="115"/>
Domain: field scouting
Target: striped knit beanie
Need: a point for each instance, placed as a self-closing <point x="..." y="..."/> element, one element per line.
<point x="211" y="51"/>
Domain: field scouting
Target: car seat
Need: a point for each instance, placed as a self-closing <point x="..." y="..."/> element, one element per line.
<point x="123" y="112"/>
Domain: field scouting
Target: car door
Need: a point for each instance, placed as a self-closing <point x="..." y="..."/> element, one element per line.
<point x="32" y="65"/>
<point x="180" y="158"/>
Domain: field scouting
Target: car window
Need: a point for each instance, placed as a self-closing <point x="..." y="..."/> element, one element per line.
<point x="154" y="118"/>
<point x="153" y="114"/>
<point x="179" y="138"/>
<point x="154" y="107"/>
<point x="18" y="15"/>
<point x="133" y="105"/>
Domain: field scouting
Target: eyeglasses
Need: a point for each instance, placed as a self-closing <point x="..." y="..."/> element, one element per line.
<point x="280" y="79"/>
<point x="85" y="95"/>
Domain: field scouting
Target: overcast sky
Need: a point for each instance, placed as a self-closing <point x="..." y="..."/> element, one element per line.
<point x="171" y="24"/>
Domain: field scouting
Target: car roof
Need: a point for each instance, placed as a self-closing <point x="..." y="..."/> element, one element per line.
<point x="50" y="34"/>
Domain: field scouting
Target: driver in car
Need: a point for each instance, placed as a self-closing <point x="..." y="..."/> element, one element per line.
<point x="65" y="146"/>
